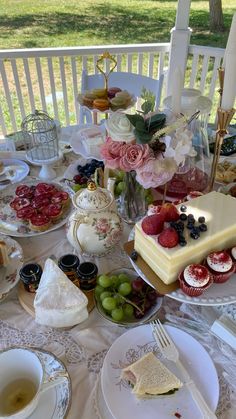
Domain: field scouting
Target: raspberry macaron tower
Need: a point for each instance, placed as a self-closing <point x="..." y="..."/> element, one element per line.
<point x="221" y="266"/>
<point x="195" y="279"/>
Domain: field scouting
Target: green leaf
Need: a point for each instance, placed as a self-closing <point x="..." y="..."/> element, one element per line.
<point x="155" y="122"/>
<point x="142" y="137"/>
<point x="147" y="107"/>
<point x="134" y="118"/>
<point x="140" y="126"/>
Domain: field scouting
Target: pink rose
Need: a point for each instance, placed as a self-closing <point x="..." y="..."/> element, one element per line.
<point x="102" y="226"/>
<point x="134" y="156"/>
<point x="156" y="172"/>
<point x="111" y="151"/>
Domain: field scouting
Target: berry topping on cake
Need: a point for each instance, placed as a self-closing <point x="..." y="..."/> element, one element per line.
<point x="52" y="210"/>
<point x="170" y="212"/>
<point x="60" y="197"/>
<point x="203" y="227"/>
<point x="26" y="213"/>
<point x="168" y="238"/>
<point x="153" y="224"/>
<point x="19" y="203"/>
<point x="196" y="275"/>
<point x="39" y="202"/>
<point x="43" y="188"/>
<point x="201" y="220"/>
<point x="24" y="191"/>
<point x="183" y="217"/>
<point x="183" y="208"/>
<point x="39" y="220"/>
<point x="219" y="261"/>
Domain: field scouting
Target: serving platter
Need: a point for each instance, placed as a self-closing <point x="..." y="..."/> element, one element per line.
<point x="130" y="347"/>
<point x="11" y="225"/>
<point x="217" y="294"/>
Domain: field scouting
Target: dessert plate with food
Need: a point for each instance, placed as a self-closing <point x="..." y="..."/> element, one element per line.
<point x="11" y="261"/>
<point x="138" y="382"/>
<point x="12" y="171"/>
<point x="190" y="246"/>
<point x="87" y="140"/>
<point x="34" y="208"/>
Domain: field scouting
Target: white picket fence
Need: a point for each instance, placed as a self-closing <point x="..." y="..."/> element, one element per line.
<point x="49" y="78"/>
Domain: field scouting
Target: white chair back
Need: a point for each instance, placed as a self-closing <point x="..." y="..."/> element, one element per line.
<point x="133" y="83"/>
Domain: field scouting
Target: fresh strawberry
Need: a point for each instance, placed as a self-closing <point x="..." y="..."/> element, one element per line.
<point x="170" y="212"/>
<point x="153" y="224"/>
<point x="168" y="238"/>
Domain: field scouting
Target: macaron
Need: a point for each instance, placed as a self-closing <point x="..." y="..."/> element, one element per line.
<point x="112" y="91"/>
<point x="101" y="104"/>
<point x="220" y="265"/>
<point x="195" y="279"/>
<point x="99" y="93"/>
<point x="118" y="103"/>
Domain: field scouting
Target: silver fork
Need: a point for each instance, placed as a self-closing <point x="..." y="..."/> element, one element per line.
<point x="170" y="352"/>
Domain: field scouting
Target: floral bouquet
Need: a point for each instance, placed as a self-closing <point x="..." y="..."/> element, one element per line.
<point x="130" y="147"/>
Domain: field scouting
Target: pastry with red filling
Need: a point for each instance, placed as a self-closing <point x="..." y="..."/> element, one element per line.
<point x="19" y="203"/>
<point x="39" y="222"/>
<point x="61" y="198"/>
<point x="221" y="266"/>
<point x="44" y="188"/>
<point x="26" y="213"/>
<point x="195" y="279"/>
<point x="24" y="191"/>
<point x="53" y="211"/>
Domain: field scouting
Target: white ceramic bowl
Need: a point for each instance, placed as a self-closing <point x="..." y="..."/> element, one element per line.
<point x="133" y="321"/>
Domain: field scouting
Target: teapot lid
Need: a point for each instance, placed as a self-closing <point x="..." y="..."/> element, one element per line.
<point x="92" y="198"/>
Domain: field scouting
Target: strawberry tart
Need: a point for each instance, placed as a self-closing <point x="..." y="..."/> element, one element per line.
<point x="195" y="279"/>
<point x="40" y="205"/>
<point x="221" y="266"/>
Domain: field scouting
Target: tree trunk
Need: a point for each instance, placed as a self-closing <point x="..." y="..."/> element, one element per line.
<point x="216" y="16"/>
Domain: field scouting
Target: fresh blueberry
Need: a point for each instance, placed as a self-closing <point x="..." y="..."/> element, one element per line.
<point x="183" y="208"/>
<point x="194" y="236"/>
<point x="182" y="243"/>
<point x="181" y="225"/>
<point x="196" y="230"/>
<point x="203" y="227"/>
<point x="134" y="255"/>
<point x="79" y="167"/>
<point x="183" y="217"/>
<point x="174" y="225"/>
<point x="190" y="226"/>
<point x="201" y="220"/>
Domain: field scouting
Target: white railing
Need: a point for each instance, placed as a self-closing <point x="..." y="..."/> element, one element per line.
<point x="49" y="78"/>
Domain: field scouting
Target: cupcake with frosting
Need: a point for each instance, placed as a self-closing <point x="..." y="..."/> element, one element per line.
<point x="232" y="253"/>
<point x="221" y="266"/>
<point x="195" y="279"/>
<point x="119" y="128"/>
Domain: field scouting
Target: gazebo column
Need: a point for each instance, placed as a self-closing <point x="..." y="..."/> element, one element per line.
<point x="180" y="37"/>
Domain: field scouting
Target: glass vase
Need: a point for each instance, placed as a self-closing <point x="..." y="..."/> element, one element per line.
<point x="132" y="204"/>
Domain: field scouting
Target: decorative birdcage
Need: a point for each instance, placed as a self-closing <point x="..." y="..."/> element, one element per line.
<point x="42" y="132"/>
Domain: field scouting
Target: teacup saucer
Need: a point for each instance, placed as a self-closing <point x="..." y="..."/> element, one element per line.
<point x="55" y="402"/>
<point x="9" y="275"/>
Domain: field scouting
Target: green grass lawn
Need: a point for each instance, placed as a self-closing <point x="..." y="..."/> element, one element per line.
<point x="54" y="23"/>
<point x="65" y="23"/>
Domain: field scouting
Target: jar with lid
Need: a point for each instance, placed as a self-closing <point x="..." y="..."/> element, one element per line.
<point x="30" y="275"/>
<point x="69" y="264"/>
<point x="87" y="273"/>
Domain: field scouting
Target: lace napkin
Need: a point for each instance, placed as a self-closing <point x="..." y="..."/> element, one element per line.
<point x="58" y="302"/>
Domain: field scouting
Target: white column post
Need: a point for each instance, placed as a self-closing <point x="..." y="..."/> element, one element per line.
<point x="180" y="37"/>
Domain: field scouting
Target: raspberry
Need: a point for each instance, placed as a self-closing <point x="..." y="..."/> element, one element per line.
<point x="168" y="238"/>
<point x="153" y="224"/>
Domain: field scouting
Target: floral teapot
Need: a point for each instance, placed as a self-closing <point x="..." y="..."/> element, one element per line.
<point x="94" y="227"/>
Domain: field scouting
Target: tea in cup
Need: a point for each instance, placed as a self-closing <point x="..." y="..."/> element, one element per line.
<point x="22" y="382"/>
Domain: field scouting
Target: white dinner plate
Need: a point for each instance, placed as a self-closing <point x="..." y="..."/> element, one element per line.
<point x="135" y="343"/>
<point x="11" y="225"/>
<point x="21" y="170"/>
<point x="9" y="275"/>
<point x="217" y="294"/>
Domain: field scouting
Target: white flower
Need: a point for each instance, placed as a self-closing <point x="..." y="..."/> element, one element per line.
<point x="179" y="146"/>
<point x="119" y="128"/>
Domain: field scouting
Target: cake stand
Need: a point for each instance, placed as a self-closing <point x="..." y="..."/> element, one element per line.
<point x="47" y="172"/>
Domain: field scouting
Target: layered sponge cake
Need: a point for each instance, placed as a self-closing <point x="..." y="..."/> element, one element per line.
<point x="219" y="212"/>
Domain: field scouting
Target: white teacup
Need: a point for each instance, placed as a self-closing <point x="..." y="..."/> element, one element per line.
<point x="22" y="381"/>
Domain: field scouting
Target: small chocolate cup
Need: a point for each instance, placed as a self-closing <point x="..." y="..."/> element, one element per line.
<point x="87" y="273"/>
<point x="30" y="275"/>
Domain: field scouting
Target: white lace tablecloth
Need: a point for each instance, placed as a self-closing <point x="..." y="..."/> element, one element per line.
<point x="83" y="347"/>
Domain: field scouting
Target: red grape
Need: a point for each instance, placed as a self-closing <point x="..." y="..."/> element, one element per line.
<point x="137" y="284"/>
